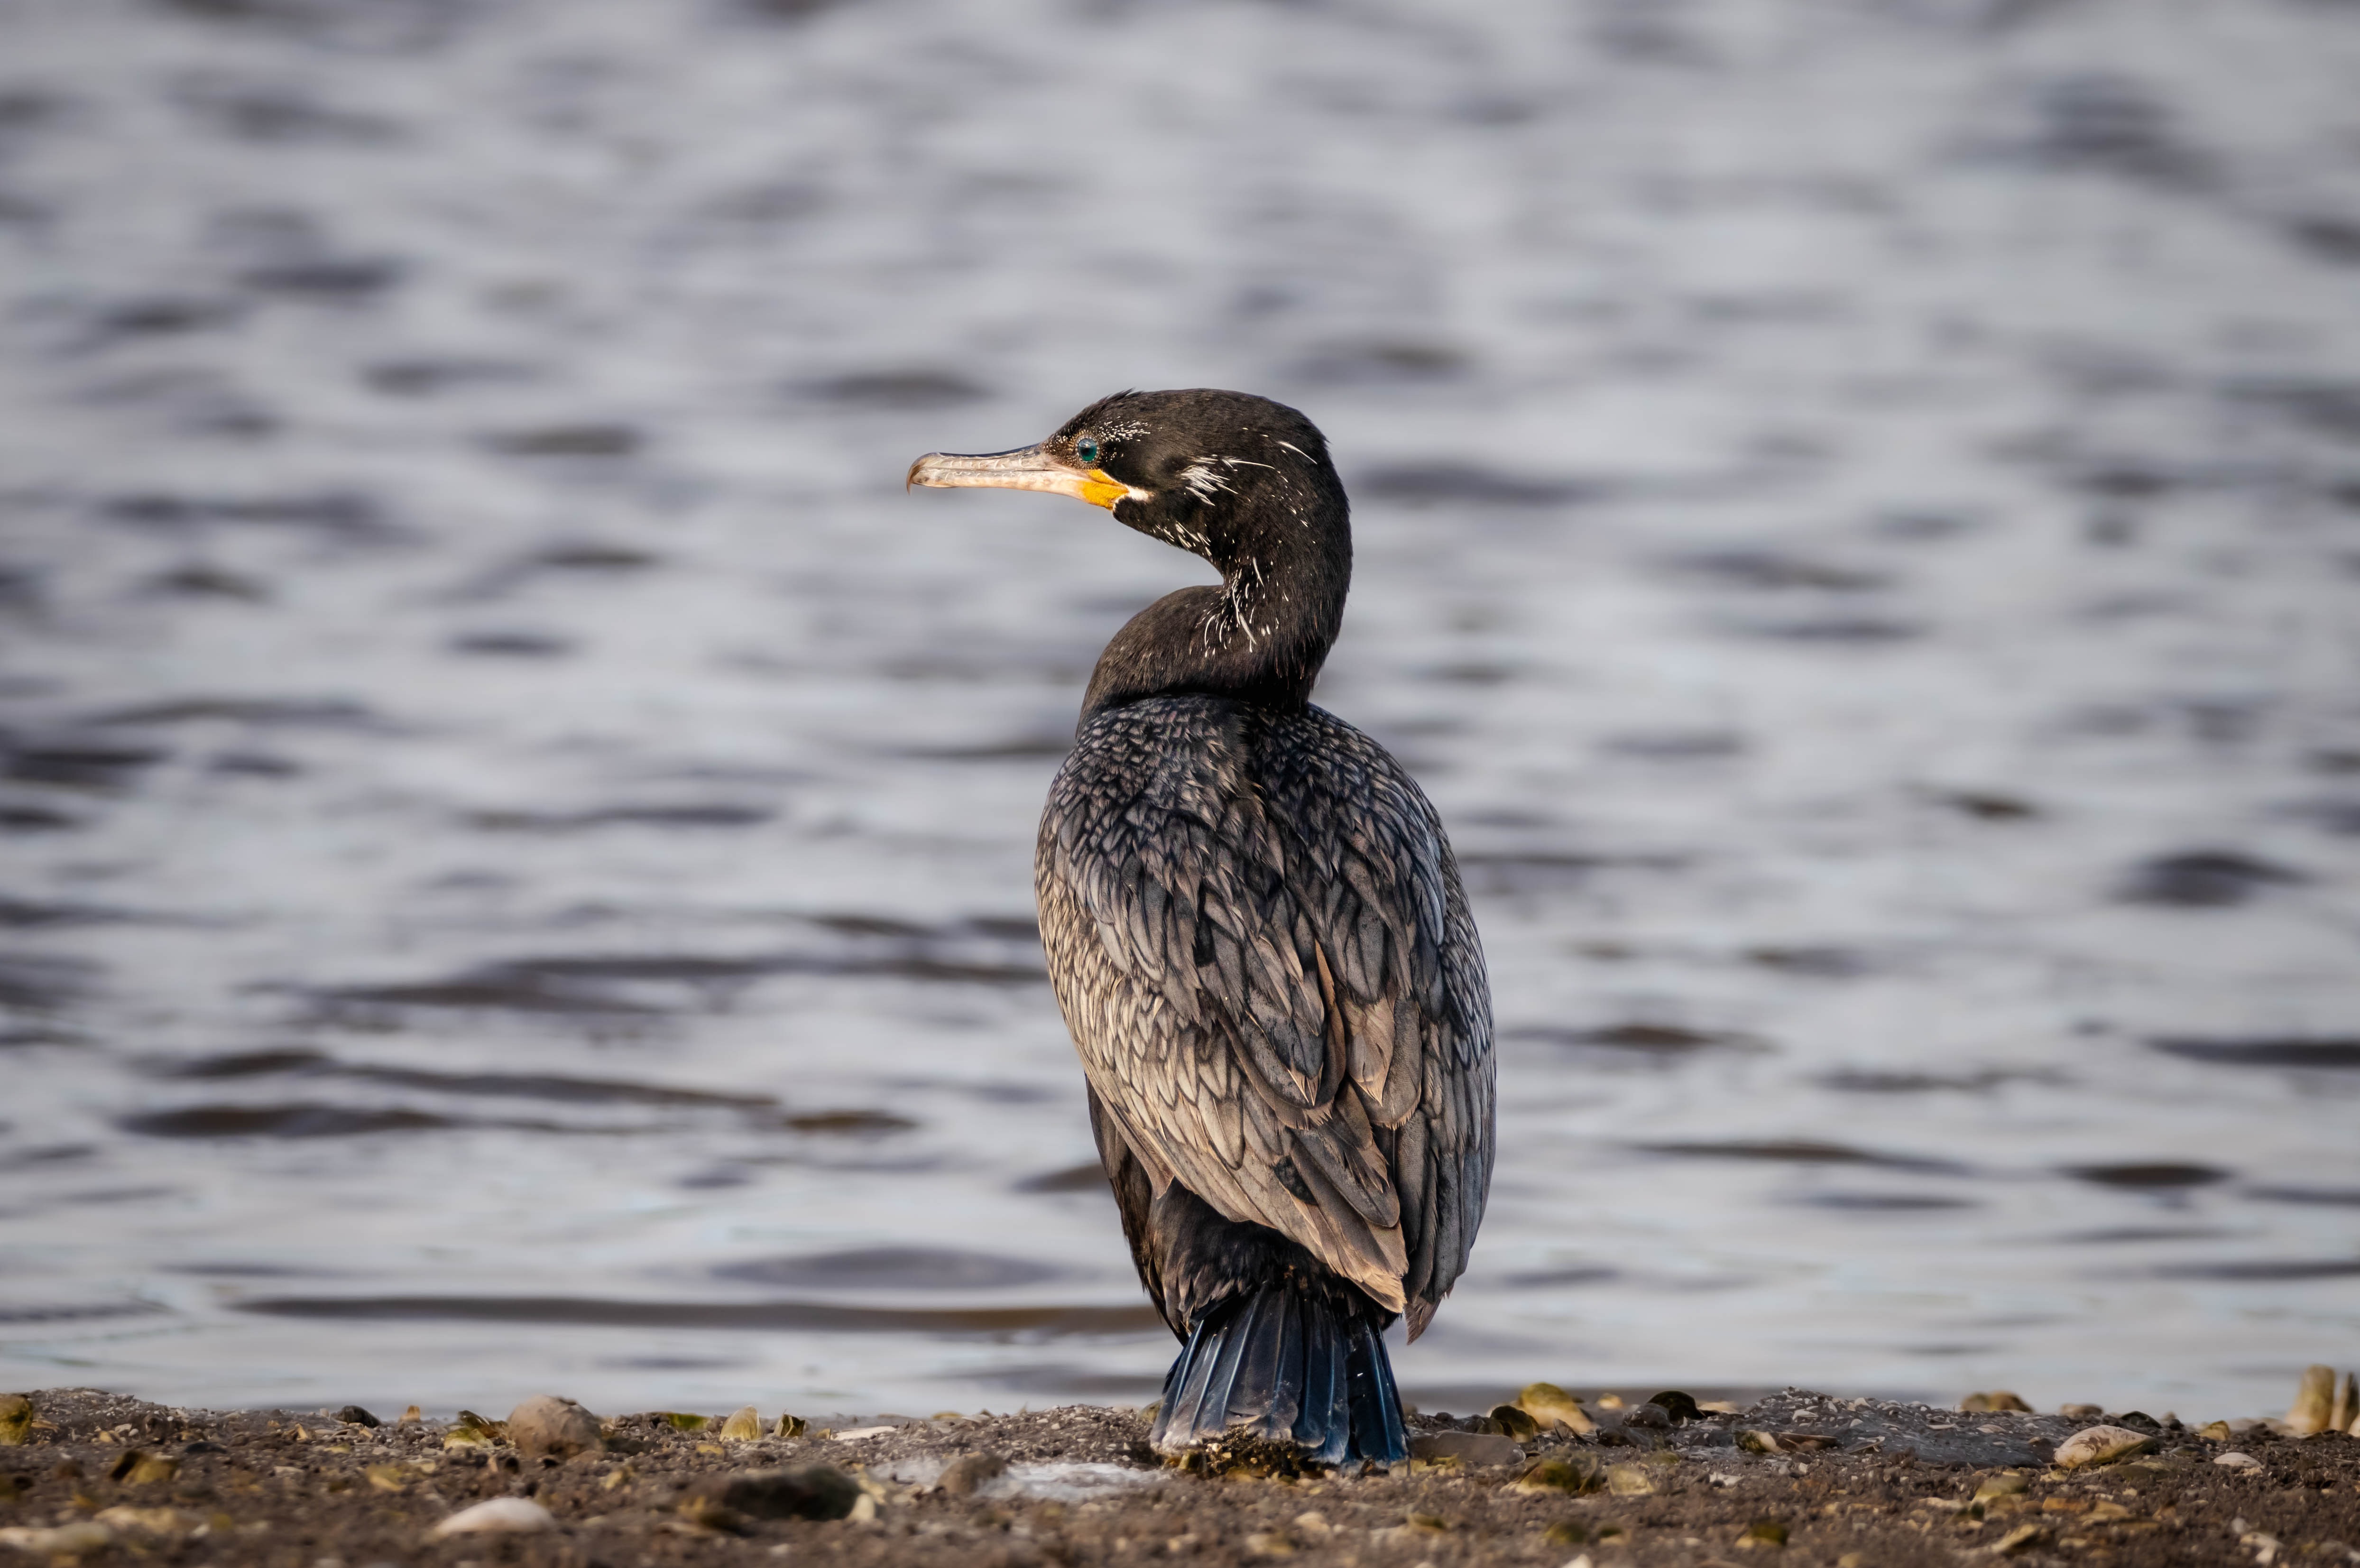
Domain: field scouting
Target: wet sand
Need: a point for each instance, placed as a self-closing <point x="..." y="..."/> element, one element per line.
<point x="1076" y="1485"/>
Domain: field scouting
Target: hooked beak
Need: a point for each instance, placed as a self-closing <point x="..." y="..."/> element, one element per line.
<point x="1026" y="468"/>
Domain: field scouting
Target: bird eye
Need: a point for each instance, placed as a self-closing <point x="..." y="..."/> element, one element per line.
<point x="1086" y="450"/>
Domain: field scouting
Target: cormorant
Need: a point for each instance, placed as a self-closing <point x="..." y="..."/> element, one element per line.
<point x="1259" y="940"/>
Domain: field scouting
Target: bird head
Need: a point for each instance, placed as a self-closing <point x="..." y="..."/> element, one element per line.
<point x="1226" y="476"/>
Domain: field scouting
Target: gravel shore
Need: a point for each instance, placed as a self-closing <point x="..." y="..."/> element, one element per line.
<point x="1796" y="1478"/>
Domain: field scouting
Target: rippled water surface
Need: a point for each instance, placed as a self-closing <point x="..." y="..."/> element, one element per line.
<point x="517" y="830"/>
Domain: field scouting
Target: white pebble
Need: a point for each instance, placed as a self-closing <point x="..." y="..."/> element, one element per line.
<point x="64" y="1540"/>
<point x="2101" y="1445"/>
<point x="2237" y="1460"/>
<point x="501" y="1516"/>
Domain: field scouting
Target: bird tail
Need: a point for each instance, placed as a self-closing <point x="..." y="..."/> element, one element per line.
<point x="1287" y="1367"/>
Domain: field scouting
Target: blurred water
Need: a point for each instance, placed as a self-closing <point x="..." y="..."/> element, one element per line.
<point x="517" y="831"/>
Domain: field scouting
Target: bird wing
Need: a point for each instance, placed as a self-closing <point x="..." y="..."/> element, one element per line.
<point x="1262" y="951"/>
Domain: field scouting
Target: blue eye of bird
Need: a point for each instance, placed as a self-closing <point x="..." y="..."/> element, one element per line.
<point x="1087" y="451"/>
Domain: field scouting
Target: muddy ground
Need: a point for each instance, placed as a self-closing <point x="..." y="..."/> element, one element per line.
<point x="1852" y="1484"/>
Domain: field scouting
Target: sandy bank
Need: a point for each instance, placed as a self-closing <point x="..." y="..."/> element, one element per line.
<point x="1798" y="1478"/>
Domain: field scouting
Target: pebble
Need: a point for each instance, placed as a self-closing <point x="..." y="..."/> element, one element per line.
<point x="1514" y="1422"/>
<point x="2101" y="1445"/>
<point x="964" y="1474"/>
<point x="1998" y="1400"/>
<point x="548" y="1426"/>
<point x="2346" y="1415"/>
<point x="1550" y="1406"/>
<point x="162" y="1523"/>
<point x="2080" y="1412"/>
<point x="62" y="1541"/>
<point x="1552" y="1476"/>
<point x="806" y="1492"/>
<point x="1628" y="1480"/>
<point x="2314" y="1401"/>
<point x="1469" y="1448"/>
<point x="498" y="1516"/>
<point x="2237" y="1460"/>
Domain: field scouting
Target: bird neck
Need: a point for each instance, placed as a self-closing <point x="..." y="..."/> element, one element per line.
<point x="1260" y="637"/>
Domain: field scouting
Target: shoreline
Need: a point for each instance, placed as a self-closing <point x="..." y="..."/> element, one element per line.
<point x="1795" y="1477"/>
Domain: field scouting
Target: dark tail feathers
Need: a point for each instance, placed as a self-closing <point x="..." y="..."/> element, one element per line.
<point x="1289" y="1367"/>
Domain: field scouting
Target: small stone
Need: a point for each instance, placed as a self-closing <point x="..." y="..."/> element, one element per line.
<point x="2080" y="1412"/>
<point x="1628" y="1480"/>
<point x="16" y="1419"/>
<point x="1649" y="1417"/>
<point x="2101" y="1445"/>
<point x="1515" y="1422"/>
<point x="1758" y="1441"/>
<point x="1270" y="1544"/>
<point x="2314" y="1401"/>
<point x="1763" y="1535"/>
<point x="1998" y="1400"/>
<point x="1566" y="1532"/>
<point x="498" y="1516"/>
<point x="1315" y="1525"/>
<point x="64" y="1540"/>
<point x="353" y="1416"/>
<point x="1678" y="1406"/>
<point x="2347" y="1413"/>
<point x="746" y="1426"/>
<point x="2236" y="1461"/>
<point x="1469" y="1448"/>
<point x="148" y="1469"/>
<point x="548" y="1426"/>
<point x="2008" y="1484"/>
<point x="2022" y="1538"/>
<point x="968" y="1473"/>
<point x="806" y="1492"/>
<point x="161" y="1523"/>
<point x="1549" y="1476"/>
<point x="1551" y="1407"/>
<point x="704" y="1516"/>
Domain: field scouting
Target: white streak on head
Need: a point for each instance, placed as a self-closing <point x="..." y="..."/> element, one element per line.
<point x="1202" y="482"/>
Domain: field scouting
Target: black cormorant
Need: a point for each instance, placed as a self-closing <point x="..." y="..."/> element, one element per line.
<point x="1259" y="940"/>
